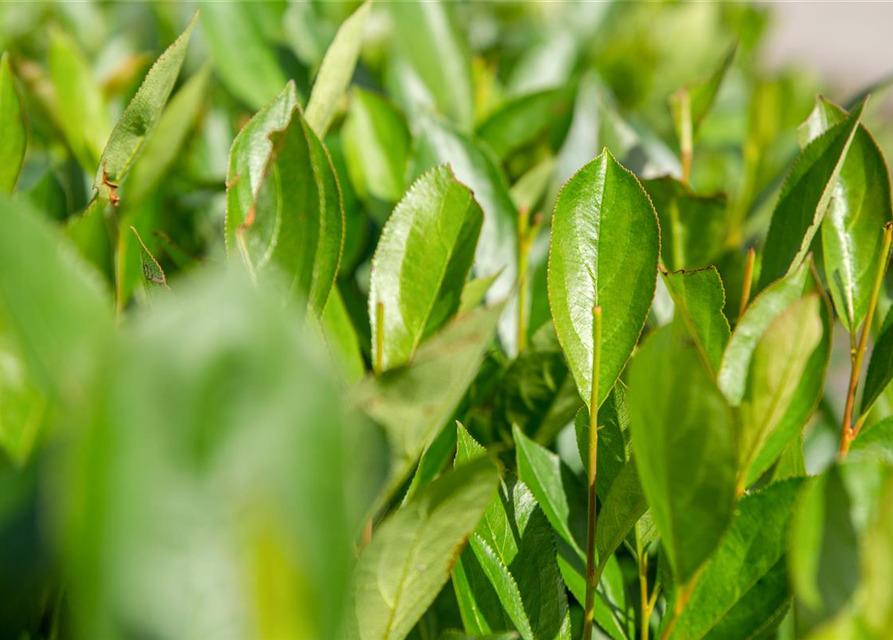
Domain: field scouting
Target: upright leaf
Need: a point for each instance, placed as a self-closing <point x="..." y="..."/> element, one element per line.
<point x="429" y="40"/>
<point x="140" y="117"/>
<point x="880" y="365"/>
<point x="683" y="434"/>
<point x="737" y="368"/>
<point x="691" y="103"/>
<point x="698" y="299"/>
<point x="249" y="157"/>
<point x="412" y="403"/>
<point x="744" y="586"/>
<point x="336" y="71"/>
<point x="852" y="234"/>
<point x="604" y="252"/>
<point x="421" y="263"/>
<point x="412" y="552"/>
<point x="804" y="198"/>
<point x="13" y="130"/>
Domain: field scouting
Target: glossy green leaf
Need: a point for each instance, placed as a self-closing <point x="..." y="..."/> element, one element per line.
<point x="880" y="365"/>
<point x="537" y="392"/>
<point x="737" y="370"/>
<point x="336" y="71"/>
<point x="744" y="587"/>
<point x="13" y="129"/>
<point x="412" y="403"/>
<point x="690" y="489"/>
<point x="438" y="143"/>
<point x="413" y="551"/>
<point x="804" y="199"/>
<point x="604" y="252"/>
<point x="421" y="263"/>
<point x="852" y="234"/>
<point x="136" y="124"/>
<point x="376" y="146"/>
<point x="429" y="40"/>
<point x="52" y="302"/>
<point x="249" y="157"/>
<point x="693" y="226"/>
<point x="614" y="445"/>
<point x="295" y="226"/>
<point x="777" y="366"/>
<point x="525" y="119"/>
<point x="245" y="63"/>
<point x="162" y="148"/>
<point x="80" y="105"/>
<point x="698" y="299"/>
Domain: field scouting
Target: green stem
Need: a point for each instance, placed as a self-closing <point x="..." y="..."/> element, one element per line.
<point x="849" y="433"/>
<point x="379" y="337"/>
<point x="748" y="281"/>
<point x="643" y="593"/>
<point x="523" y="230"/>
<point x="591" y="579"/>
<point x="686" y="141"/>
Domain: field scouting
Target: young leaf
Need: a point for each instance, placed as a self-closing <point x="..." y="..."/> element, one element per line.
<point x="296" y="223"/>
<point x="245" y="63"/>
<point x="412" y="403"/>
<point x="691" y="103"/>
<point x="683" y="434"/>
<point x="420" y="265"/>
<point x="13" y="130"/>
<point x="880" y="366"/>
<point x="376" y="146"/>
<point x="80" y="105"/>
<point x="249" y="157"/>
<point x="698" y="298"/>
<point x="736" y="369"/>
<point x="140" y="117"/>
<point x="804" y="198"/>
<point x="429" y="40"/>
<point x="162" y="148"/>
<point x="852" y="234"/>
<point x="604" y="252"/>
<point x="693" y="226"/>
<point x="336" y="71"/>
<point x="744" y="585"/>
<point x="400" y="573"/>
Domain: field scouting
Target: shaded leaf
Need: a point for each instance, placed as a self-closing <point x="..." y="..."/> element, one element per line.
<point x="525" y="119"/>
<point x="13" y="129"/>
<point x="880" y="365"/>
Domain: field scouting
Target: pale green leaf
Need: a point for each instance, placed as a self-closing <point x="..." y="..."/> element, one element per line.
<point x="13" y="129"/>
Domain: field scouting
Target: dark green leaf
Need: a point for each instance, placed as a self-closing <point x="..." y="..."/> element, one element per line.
<point x="13" y="130"/>
<point x="413" y="551"/>
<point x="880" y="365"/>
<point x="420" y="265"/>
<point x="604" y="252"/>
<point x="690" y="489"/>
<point x="804" y="199"/>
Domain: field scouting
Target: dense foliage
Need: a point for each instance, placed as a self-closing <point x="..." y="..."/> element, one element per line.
<point x="437" y="320"/>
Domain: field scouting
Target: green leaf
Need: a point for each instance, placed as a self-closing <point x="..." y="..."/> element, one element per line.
<point x="420" y="265"/>
<point x="877" y="601"/>
<point x="13" y="129"/>
<point x="458" y="635"/>
<point x="88" y="231"/>
<point x="412" y="553"/>
<point x="412" y="403"/>
<point x="243" y="60"/>
<point x="295" y="226"/>
<point x="620" y="510"/>
<point x="474" y="292"/>
<point x="690" y="489"/>
<point x="428" y="38"/>
<point x="153" y="275"/>
<point x="737" y="370"/>
<point x="880" y="365"/>
<point x="79" y="104"/>
<point x="537" y="392"/>
<point x="136" y="124"/>
<point x="376" y="145"/>
<point x="744" y="585"/>
<point x="341" y="339"/>
<point x="852" y="234"/>
<point x="613" y="437"/>
<point x="52" y="303"/>
<point x="250" y="155"/>
<point x="693" y="226"/>
<point x="874" y="441"/>
<point x="162" y="148"/>
<point x="604" y="252"/>
<point x="552" y="485"/>
<point x="691" y="104"/>
<point x="525" y="119"/>
<point x="698" y="298"/>
<point x="336" y="71"/>
<point x="438" y="142"/>
<point x="804" y="199"/>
